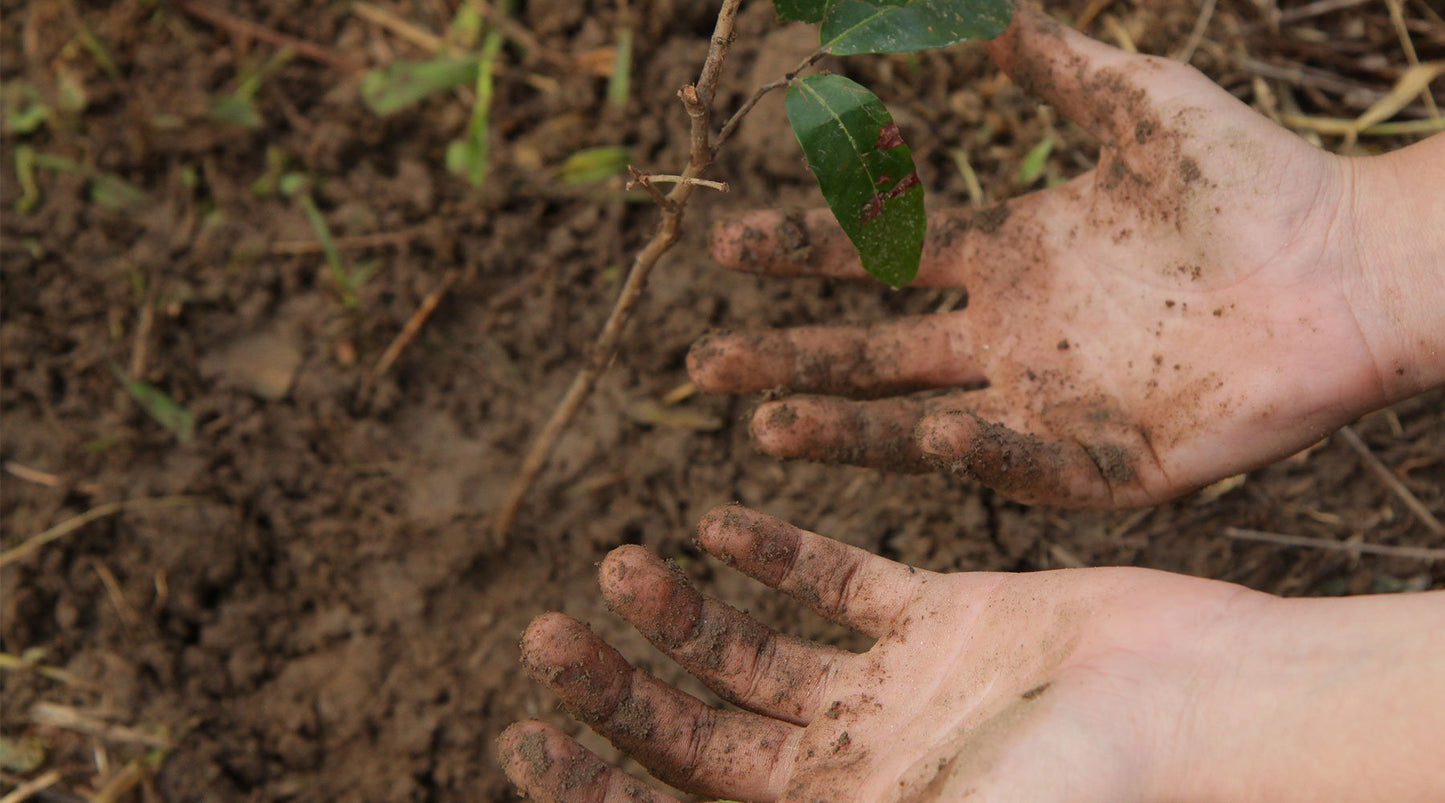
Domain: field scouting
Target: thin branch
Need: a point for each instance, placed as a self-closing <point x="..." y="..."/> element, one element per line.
<point x="236" y="25"/>
<point x="1308" y="542"/>
<point x="413" y="325"/>
<point x="422" y="38"/>
<point x="697" y="100"/>
<point x="663" y="178"/>
<point x="640" y="179"/>
<point x="731" y="125"/>
<point x="1386" y="476"/>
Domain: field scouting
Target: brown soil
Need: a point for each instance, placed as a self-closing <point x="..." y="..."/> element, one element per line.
<point x="326" y="617"/>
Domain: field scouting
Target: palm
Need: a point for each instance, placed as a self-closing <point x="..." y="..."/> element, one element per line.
<point x="999" y="684"/>
<point x="1139" y="329"/>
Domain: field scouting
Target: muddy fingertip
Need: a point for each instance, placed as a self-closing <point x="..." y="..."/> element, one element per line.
<point x="727" y="242"/>
<point x="703" y="360"/>
<point x="549" y="640"/>
<point x="774" y="428"/>
<point x="947" y="435"/>
<point x="522" y="752"/>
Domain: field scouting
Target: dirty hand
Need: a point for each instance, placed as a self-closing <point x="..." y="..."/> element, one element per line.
<point x="1215" y="295"/>
<point x="1095" y="684"/>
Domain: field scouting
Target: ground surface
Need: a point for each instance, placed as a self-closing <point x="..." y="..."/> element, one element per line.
<point x="325" y="617"/>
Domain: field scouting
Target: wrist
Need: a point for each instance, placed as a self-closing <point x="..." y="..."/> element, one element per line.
<point x="1322" y="699"/>
<point x="1397" y="210"/>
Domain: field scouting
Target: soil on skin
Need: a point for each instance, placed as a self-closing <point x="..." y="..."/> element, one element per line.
<point x="326" y="617"/>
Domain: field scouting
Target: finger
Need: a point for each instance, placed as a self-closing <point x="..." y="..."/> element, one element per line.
<point x="887" y="358"/>
<point x="812" y="244"/>
<point x="873" y="434"/>
<point x="737" y="656"/>
<point x="548" y="765"/>
<point x="852" y="587"/>
<point x="1100" y="473"/>
<point x="1105" y="90"/>
<point x="690" y="745"/>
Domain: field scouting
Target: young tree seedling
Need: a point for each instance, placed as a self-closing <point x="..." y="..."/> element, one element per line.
<point x="853" y="147"/>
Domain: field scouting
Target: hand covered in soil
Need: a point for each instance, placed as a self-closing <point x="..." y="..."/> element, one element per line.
<point x="1079" y="685"/>
<point x="1215" y="295"/>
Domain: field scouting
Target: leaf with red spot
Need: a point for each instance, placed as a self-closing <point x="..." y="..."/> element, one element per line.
<point x="865" y="171"/>
<point x="906" y="26"/>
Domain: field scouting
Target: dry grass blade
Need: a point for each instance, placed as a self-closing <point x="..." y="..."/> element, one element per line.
<point x="1413" y="81"/>
<point x="1397" y="19"/>
<point x="73" y="719"/>
<point x="32" y="787"/>
<point x="35" y="542"/>
<point x="1318" y="8"/>
<point x="1308" y="542"/>
<point x="15" y="663"/>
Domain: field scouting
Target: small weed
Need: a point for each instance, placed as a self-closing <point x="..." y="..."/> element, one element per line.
<point x="166" y="412"/>
<point x="239" y="107"/>
<point x="348" y="281"/>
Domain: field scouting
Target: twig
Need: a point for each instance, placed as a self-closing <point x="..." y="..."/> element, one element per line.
<point x="413" y="325"/>
<point x="1197" y="35"/>
<point x="234" y="24"/>
<point x="35" y="542"/>
<point x="1308" y="542"/>
<point x="32" y="787"/>
<point x="664" y="178"/>
<point x="45" y="478"/>
<point x="123" y="608"/>
<point x="643" y="180"/>
<point x="422" y="38"/>
<point x="1386" y="476"/>
<point x="697" y="100"/>
<point x="731" y="125"/>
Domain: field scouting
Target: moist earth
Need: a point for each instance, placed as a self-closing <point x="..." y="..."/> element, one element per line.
<point x="324" y="614"/>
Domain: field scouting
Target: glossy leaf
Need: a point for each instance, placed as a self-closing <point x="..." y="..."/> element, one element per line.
<point x="906" y="26"/>
<point x="805" y="10"/>
<point x="865" y="171"/>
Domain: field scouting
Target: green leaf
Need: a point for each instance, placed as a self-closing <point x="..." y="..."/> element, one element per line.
<point x="594" y="164"/>
<point x="805" y="10"/>
<point x="905" y="26"/>
<point x="115" y="193"/>
<point x="25" y="112"/>
<point x="387" y="90"/>
<point x="865" y="171"/>
<point x="161" y="407"/>
<point x="1033" y="164"/>
<point x="237" y="110"/>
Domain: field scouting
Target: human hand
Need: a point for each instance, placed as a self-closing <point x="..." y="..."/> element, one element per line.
<point x="1113" y="684"/>
<point x="1018" y="687"/>
<point x="1196" y="306"/>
